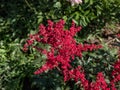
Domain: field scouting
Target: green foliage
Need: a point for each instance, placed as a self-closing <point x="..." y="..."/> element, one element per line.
<point x="20" y="17"/>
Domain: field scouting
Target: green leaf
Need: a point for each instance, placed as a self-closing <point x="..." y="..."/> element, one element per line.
<point x="57" y="5"/>
<point x="87" y="12"/>
<point x="86" y="1"/>
<point x="91" y="2"/>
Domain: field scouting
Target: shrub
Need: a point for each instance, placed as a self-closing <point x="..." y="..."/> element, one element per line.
<point x="62" y="52"/>
<point x="15" y="24"/>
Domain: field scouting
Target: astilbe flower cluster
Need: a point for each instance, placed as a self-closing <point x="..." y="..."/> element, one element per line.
<point x="118" y="35"/>
<point x="115" y="75"/>
<point x="116" y="71"/>
<point x="63" y="50"/>
<point x="99" y="84"/>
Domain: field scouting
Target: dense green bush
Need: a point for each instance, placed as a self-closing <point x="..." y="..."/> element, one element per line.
<point x="20" y="17"/>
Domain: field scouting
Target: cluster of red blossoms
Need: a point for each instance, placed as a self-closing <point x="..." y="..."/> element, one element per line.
<point x="115" y="74"/>
<point x="63" y="50"/>
<point x="118" y="35"/>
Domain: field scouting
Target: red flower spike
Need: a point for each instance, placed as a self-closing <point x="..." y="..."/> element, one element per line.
<point x="63" y="50"/>
<point x="118" y="35"/>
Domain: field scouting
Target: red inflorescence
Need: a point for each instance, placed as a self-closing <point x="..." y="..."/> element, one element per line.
<point x="118" y="35"/>
<point x="63" y="50"/>
<point x="115" y="74"/>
